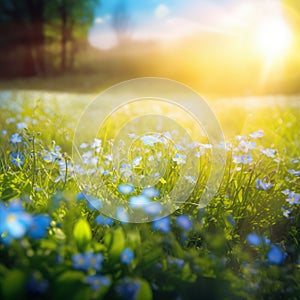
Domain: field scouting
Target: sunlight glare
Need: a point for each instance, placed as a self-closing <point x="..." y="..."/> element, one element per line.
<point x="273" y="37"/>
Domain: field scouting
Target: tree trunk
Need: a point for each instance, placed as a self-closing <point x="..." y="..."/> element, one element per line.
<point x="16" y="40"/>
<point x="38" y="36"/>
<point x="27" y="58"/>
<point x="64" y="37"/>
<point x="73" y="45"/>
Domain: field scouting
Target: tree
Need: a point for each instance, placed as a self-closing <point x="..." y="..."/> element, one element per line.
<point x="28" y="29"/>
<point x="15" y="39"/>
<point x="71" y="19"/>
<point x="36" y="24"/>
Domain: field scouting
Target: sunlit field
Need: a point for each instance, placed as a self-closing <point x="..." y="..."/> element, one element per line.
<point x="56" y="243"/>
<point x="149" y="149"/>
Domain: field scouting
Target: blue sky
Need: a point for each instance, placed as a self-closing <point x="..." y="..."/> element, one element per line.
<point x="170" y="20"/>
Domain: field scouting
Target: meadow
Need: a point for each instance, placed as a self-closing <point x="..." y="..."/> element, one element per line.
<point x="57" y="243"/>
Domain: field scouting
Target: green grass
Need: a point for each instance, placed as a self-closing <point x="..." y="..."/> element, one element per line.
<point x="211" y="259"/>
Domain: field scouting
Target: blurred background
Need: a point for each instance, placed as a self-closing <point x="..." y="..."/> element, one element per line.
<point x="221" y="48"/>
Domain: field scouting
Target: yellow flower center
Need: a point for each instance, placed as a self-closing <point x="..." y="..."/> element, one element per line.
<point x="11" y="218"/>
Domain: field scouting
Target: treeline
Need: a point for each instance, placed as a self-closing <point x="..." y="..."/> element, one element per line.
<point x="39" y="37"/>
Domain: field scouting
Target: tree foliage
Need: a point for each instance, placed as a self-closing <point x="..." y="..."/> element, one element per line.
<point x="38" y="36"/>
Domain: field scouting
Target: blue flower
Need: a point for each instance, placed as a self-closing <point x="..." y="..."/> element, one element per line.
<point x="275" y="255"/>
<point x="231" y="220"/>
<point x="16" y="138"/>
<point x="240" y="137"/>
<point x="260" y="185"/>
<point x="206" y="146"/>
<point x="128" y="289"/>
<point x="269" y="152"/>
<point x="152" y="208"/>
<point x="14" y="221"/>
<point x="179" y="147"/>
<point x="286" y="192"/>
<point x="17" y="159"/>
<point x="127" y="256"/>
<point x="179" y="263"/>
<point x="151" y="158"/>
<point x="286" y="212"/>
<point x="293" y="198"/>
<point x="190" y="179"/>
<point x="194" y="145"/>
<point x="265" y="240"/>
<point x="96" y="145"/>
<point x="10" y="120"/>
<point x="254" y="239"/>
<point x="83" y="145"/>
<point x="136" y="161"/>
<point x="244" y="159"/>
<point x="81" y="196"/>
<point x="87" y="260"/>
<point x="257" y="134"/>
<point x="245" y="146"/>
<point x="149" y="140"/>
<point x="125" y="189"/>
<point x="57" y="149"/>
<point x="184" y="222"/>
<point x="138" y="201"/>
<point x="21" y="125"/>
<point x="80" y="262"/>
<point x="97" y="281"/>
<point x="101" y="220"/>
<point x="226" y="145"/>
<point x="122" y="214"/>
<point x="295" y="173"/>
<point x="163" y="225"/>
<point x="94" y="161"/>
<point x="126" y="170"/>
<point x="199" y="153"/>
<point x="150" y="192"/>
<point x="179" y="159"/>
<point x="105" y="172"/>
<point x="86" y="156"/>
<point x="95" y="260"/>
<point x="36" y="285"/>
<point x="132" y="135"/>
<point x="48" y="156"/>
<point x="38" y="227"/>
<point x="93" y="202"/>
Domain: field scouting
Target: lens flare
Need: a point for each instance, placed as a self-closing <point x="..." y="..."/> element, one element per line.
<point x="273" y="37"/>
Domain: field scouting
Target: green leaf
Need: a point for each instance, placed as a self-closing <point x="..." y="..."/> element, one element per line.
<point x="27" y="187"/>
<point x="145" y="292"/>
<point x="9" y="193"/>
<point x="70" y="285"/>
<point x="177" y="250"/>
<point x="48" y="244"/>
<point x="133" y="239"/>
<point x="187" y="274"/>
<point x="99" y="247"/>
<point x="13" y="285"/>
<point x="82" y="234"/>
<point x="115" y="242"/>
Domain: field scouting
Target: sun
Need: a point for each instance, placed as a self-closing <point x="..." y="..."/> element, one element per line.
<point x="273" y="37"/>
